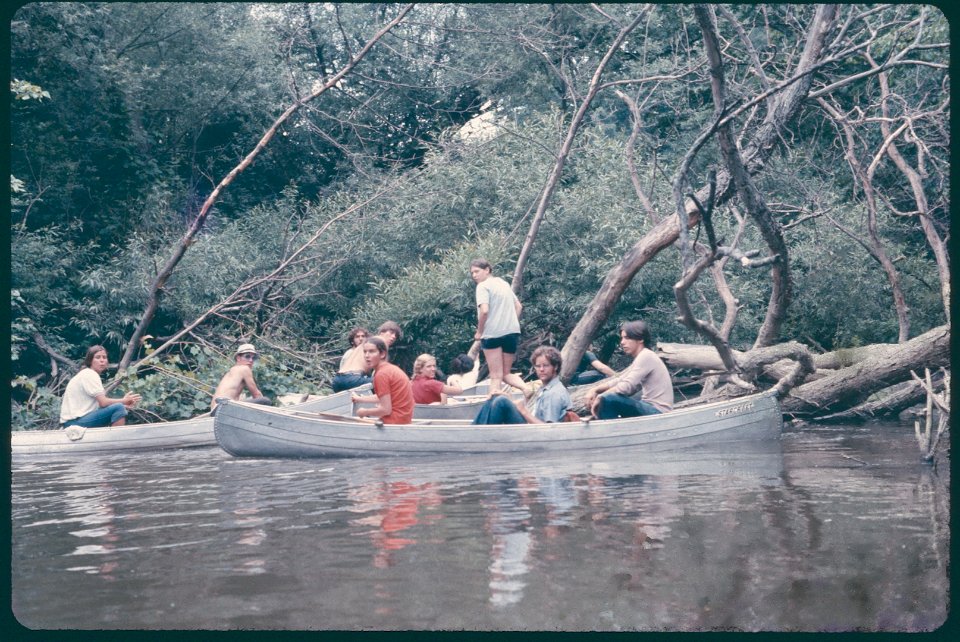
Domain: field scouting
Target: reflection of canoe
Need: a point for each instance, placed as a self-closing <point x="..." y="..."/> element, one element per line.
<point x="457" y="407"/>
<point x="758" y="460"/>
<point x="187" y="433"/>
<point x="249" y="430"/>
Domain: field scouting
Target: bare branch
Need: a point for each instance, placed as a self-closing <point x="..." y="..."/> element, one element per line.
<point x="157" y="287"/>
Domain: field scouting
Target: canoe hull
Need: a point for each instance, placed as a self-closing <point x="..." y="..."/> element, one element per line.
<point x="246" y="430"/>
<point x="188" y="433"/>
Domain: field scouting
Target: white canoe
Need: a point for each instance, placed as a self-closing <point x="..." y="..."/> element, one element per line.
<point x="187" y="433"/>
<point x="248" y="430"/>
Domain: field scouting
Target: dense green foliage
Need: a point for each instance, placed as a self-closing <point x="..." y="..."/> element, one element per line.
<point x="125" y="115"/>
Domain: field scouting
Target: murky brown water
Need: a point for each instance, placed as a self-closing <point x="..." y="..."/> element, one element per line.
<point x="844" y="530"/>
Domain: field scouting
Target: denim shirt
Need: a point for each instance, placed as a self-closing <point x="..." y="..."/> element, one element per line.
<point x="551" y="401"/>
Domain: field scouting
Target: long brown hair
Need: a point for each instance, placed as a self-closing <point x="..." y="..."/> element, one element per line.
<point x="91" y="353"/>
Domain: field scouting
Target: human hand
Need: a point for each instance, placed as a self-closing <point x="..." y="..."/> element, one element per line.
<point x="593" y="403"/>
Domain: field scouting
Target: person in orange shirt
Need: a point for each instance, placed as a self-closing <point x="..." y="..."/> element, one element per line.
<point x="393" y="394"/>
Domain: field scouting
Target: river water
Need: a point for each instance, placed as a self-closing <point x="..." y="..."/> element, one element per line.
<point x="844" y="529"/>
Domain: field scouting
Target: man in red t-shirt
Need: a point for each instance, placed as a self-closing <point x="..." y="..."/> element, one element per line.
<point x="393" y="395"/>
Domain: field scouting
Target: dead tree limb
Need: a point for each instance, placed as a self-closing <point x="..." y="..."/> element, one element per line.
<point x="788" y="97"/>
<point x="156" y="288"/>
<point x="875" y="246"/>
<point x="928" y="439"/>
<point x="914" y="177"/>
<point x="748" y="193"/>
<point x="636" y="121"/>
<point x="755" y="361"/>
<point x="850" y="386"/>
<point x="249" y="285"/>
<point x="554" y="178"/>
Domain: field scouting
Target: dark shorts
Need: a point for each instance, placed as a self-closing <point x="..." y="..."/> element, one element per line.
<point x="507" y="342"/>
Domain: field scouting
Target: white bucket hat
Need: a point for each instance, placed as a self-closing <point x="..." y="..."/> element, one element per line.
<point x="245" y="348"/>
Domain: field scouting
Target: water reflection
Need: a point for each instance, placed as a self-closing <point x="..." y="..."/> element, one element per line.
<point x="809" y="539"/>
<point x="389" y="508"/>
<point x="507" y="521"/>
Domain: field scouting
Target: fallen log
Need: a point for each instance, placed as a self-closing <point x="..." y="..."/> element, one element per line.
<point x="851" y="386"/>
<point x="888" y="401"/>
<point x="693" y="356"/>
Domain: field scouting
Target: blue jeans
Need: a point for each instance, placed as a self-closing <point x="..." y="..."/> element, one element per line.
<point x="345" y="381"/>
<point x="499" y="410"/>
<point x="614" y="405"/>
<point x="587" y="376"/>
<point x="106" y="416"/>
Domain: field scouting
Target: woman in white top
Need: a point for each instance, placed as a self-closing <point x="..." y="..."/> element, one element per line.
<point x="498" y="325"/>
<point x="85" y="402"/>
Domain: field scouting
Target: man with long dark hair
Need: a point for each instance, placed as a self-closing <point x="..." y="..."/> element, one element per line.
<point x="647" y="374"/>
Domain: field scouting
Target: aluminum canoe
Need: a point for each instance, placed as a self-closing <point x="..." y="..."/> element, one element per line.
<point x="248" y="430"/>
<point x="187" y="433"/>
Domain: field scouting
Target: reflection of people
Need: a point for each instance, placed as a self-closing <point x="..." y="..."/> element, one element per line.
<point x="591" y="370"/>
<point x="613" y="398"/>
<point x="426" y="387"/>
<point x="85" y="402"/>
<point x="240" y="377"/>
<point x="351" y="373"/>
<point x="550" y="402"/>
<point x="393" y="394"/>
<point x="498" y="325"/>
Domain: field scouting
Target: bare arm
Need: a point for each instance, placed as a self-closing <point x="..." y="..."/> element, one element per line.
<point x="250" y="384"/>
<point x="451" y="390"/>
<point x="592" y="397"/>
<point x="600" y="366"/>
<point x="529" y="416"/>
<point x="129" y="400"/>
<point x="383" y="408"/>
<point x="484" y="312"/>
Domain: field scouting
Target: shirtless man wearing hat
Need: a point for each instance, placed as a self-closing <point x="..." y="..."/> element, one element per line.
<point x="238" y="378"/>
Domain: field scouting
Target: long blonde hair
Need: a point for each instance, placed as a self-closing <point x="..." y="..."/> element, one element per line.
<point x="421" y="362"/>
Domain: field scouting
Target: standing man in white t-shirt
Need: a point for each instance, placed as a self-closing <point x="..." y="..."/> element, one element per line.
<point x="498" y="325"/>
<point x="85" y="402"/>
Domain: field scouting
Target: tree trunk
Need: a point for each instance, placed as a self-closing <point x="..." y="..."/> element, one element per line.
<point x="782" y="110"/>
<point x="693" y="356"/>
<point x="852" y="385"/>
<point x="890" y="400"/>
<point x="937" y="244"/>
